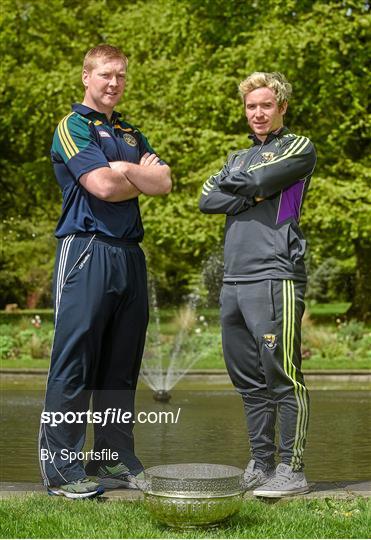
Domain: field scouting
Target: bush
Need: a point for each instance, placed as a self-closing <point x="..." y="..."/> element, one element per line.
<point x="349" y="342"/>
<point x="6" y="346"/>
<point x="352" y="331"/>
<point x="27" y="261"/>
<point x="212" y="275"/>
<point x="23" y="339"/>
<point x="333" y="280"/>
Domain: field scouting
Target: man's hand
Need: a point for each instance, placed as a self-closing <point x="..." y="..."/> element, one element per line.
<point x="109" y="183"/>
<point x="149" y="159"/>
<point x="148" y="176"/>
<point x="146" y="160"/>
<point x="259" y="199"/>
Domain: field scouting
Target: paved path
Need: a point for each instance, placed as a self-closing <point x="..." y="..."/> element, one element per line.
<point x="334" y="374"/>
<point x="319" y="490"/>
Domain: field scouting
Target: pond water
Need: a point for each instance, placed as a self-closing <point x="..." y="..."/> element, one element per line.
<point x="211" y="428"/>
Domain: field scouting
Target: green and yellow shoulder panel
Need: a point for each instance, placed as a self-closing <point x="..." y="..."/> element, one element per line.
<point x="71" y="136"/>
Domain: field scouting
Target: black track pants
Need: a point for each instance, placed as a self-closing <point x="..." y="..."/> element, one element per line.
<point x="101" y="316"/>
<point x="261" y="330"/>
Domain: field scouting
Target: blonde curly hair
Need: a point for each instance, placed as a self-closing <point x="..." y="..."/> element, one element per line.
<point x="261" y="79"/>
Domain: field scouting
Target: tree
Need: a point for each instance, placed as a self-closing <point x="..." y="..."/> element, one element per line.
<point x="185" y="64"/>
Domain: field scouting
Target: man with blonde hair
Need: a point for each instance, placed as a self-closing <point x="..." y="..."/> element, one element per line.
<point x="102" y="164"/>
<point x="261" y="190"/>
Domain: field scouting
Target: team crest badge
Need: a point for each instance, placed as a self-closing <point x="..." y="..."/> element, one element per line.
<point x="270" y="341"/>
<point x="268" y="156"/>
<point x="130" y="139"/>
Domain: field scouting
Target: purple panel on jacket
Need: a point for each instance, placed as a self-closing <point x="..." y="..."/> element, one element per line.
<point x="290" y="202"/>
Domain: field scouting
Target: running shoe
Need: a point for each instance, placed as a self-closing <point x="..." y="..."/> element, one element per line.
<point x="284" y="483"/>
<point x="79" y="489"/>
<point x="254" y="477"/>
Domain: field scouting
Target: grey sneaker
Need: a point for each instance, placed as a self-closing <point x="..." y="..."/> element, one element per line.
<point x="254" y="477"/>
<point x="79" y="489"/>
<point x="119" y="477"/>
<point x="285" y="482"/>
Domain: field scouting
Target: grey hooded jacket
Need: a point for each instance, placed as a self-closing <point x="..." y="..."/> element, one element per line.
<point x="263" y="239"/>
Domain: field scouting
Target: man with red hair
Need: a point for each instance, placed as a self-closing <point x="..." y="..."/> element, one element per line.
<point x="102" y="164"/>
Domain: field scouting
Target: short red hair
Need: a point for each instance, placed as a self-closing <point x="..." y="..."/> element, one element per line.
<point x="108" y="52"/>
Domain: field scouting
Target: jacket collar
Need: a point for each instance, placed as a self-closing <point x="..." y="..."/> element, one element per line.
<point x="87" y="111"/>
<point x="272" y="135"/>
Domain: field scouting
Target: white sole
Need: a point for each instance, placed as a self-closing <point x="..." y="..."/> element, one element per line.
<point x="88" y="495"/>
<point x="276" y="493"/>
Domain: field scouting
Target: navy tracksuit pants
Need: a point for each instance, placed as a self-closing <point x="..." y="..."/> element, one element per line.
<point x="261" y="331"/>
<point x="101" y="317"/>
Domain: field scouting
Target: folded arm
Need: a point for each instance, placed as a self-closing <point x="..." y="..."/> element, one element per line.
<point x="124" y="180"/>
<point x="297" y="161"/>
<point x="108" y="185"/>
<point x="149" y="177"/>
<point x="215" y="201"/>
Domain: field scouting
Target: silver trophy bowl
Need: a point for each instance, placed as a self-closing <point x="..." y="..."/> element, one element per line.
<point x="190" y="495"/>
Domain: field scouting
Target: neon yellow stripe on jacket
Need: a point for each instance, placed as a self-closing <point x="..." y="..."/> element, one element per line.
<point x="295" y="148"/>
<point x="208" y="185"/>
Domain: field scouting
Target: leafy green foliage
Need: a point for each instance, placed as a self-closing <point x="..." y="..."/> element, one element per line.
<point x="341" y="345"/>
<point x="331" y="281"/>
<point x="24" y="345"/>
<point x="347" y="346"/>
<point x="186" y="59"/>
<point x="27" y="260"/>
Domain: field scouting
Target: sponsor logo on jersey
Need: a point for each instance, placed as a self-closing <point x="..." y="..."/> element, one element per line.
<point x="130" y="139"/>
<point x="103" y="133"/>
<point x="270" y="341"/>
<point x="267" y="156"/>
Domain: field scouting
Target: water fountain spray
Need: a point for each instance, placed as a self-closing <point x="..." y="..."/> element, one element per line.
<point x="163" y="364"/>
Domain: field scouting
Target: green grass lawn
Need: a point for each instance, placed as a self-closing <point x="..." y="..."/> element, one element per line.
<point x="36" y="516"/>
<point x="326" y="345"/>
<point x="335" y="309"/>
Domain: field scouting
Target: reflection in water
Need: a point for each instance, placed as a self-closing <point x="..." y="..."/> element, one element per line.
<point x="211" y="429"/>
